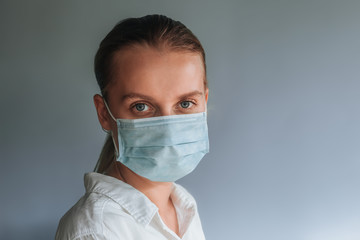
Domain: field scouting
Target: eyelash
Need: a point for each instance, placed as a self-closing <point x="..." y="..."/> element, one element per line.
<point x="133" y="106"/>
<point x="192" y="103"/>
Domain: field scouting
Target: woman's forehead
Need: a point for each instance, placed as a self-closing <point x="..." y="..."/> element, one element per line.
<point x="137" y="54"/>
<point x="149" y="68"/>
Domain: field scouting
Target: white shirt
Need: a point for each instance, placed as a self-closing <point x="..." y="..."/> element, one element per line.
<point x="113" y="209"/>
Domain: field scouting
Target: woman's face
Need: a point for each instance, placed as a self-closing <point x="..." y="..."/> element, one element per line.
<point x="147" y="82"/>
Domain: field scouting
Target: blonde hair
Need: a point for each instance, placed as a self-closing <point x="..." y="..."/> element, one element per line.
<point x="107" y="155"/>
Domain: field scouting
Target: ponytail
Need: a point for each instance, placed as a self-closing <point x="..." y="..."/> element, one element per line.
<point x="107" y="155"/>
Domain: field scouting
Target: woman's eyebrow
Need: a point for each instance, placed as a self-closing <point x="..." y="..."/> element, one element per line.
<point x="136" y="95"/>
<point x="192" y="94"/>
<point x="145" y="97"/>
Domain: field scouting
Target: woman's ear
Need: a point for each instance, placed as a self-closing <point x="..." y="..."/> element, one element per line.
<point x="206" y="95"/>
<point x="102" y="112"/>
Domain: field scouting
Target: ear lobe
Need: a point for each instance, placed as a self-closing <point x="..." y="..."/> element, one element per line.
<point x="206" y="95"/>
<point x="102" y="112"/>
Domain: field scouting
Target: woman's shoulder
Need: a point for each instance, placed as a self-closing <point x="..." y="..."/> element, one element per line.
<point x="86" y="219"/>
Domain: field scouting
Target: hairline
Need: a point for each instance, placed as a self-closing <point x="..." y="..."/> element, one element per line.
<point x="162" y="48"/>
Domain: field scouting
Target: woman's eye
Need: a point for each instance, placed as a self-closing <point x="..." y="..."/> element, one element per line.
<point x="141" y="107"/>
<point x="186" y="104"/>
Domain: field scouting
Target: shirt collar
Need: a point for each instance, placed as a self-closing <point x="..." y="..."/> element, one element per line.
<point x="185" y="207"/>
<point x="135" y="202"/>
<point x="132" y="200"/>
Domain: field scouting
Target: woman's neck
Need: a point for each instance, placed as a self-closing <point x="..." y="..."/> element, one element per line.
<point x="158" y="192"/>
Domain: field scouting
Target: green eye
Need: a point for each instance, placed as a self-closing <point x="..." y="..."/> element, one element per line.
<point x="141" y="107"/>
<point x="186" y="104"/>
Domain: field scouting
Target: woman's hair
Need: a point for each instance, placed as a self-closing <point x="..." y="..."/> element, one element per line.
<point x="156" y="31"/>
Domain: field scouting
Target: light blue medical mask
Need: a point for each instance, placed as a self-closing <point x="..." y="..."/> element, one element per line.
<point x="162" y="149"/>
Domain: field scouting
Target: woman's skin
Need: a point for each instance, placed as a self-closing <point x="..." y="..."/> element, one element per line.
<point x="148" y="82"/>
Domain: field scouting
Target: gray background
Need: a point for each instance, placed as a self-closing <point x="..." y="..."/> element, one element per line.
<point x="283" y="114"/>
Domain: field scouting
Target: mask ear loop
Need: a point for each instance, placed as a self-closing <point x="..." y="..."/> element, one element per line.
<point x="105" y="130"/>
<point x="206" y="108"/>
<point x="110" y="132"/>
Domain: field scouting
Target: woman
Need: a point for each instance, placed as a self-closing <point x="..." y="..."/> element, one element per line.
<point x="152" y="75"/>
